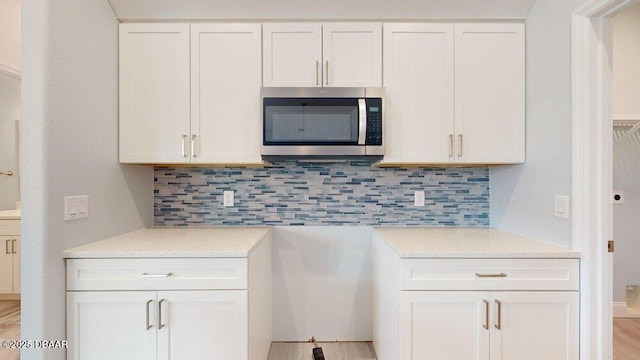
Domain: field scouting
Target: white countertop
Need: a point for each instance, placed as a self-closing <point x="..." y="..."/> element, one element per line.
<point x="174" y="243"/>
<point x="10" y="214"/>
<point x="468" y="243"/>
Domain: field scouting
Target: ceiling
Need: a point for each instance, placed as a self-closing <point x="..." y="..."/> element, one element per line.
<point x="132" y="10"/>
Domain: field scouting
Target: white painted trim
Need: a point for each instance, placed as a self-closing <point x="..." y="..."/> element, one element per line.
<point x="620" y="310"/>
<point x="592" y="172"/>
<point x="9" y="70"/>
<point x="626" y="117"/>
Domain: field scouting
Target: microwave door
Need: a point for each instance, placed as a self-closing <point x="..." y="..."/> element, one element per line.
<point x="330" y="125"/>
<point x="302" y="121"/>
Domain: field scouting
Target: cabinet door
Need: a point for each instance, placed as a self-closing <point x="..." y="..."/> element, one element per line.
<point x="535" y="325"/>
<point x="203" y="325"/>
<point x="352" y="54"/>
<point x="111" y="325"/>
<point x="418" y="80"/>
<point x="6" y="265"/>
<point x="438" y="325"/>
<point x="292" y="54"/>
<point x="490" y="93"/>
<point x="154" y="93"/>
<point x="16" y="264"/>
<point x="225" y="93"/>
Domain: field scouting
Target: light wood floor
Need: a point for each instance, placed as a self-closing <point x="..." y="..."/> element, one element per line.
<point x="9" y="327"/>
<point x="626" y="339"/>
<point x="331" y="351"/>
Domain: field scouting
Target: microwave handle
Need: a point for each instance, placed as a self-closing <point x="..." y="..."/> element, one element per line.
<point x="362" y="121"/>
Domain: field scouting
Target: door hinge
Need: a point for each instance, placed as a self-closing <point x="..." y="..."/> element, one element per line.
<point x="610" y="246"/>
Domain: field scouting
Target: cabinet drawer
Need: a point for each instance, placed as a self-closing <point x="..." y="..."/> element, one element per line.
<point x="156" y="274"/>
<point x="9" y="227"/>
<point x="489" y="274"/>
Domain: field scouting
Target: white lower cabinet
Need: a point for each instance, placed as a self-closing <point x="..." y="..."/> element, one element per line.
<point x="170" y="308"/>
<point x="488" y="325"/>
<point x="111" y="325"/>
<point x="10" y="257"/>
<point x="474" y="308"/>
<point x="175" y="325"/>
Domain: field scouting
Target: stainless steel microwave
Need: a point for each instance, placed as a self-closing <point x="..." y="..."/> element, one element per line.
<point x="322" y="121"/>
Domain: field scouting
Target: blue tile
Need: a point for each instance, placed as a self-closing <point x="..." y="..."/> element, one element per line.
<point x="299" y="193"/>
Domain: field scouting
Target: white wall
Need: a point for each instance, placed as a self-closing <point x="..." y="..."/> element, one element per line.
<point x="10" y="19"/>
<point x="322" y="283"/>
<point x="626" y="57"/>
<point x="325" y="9"/>
<point x="69" y="147"/>
<point x="522" y="196"/>
<point x="9" y="113"/>
<point x="626" y="171"/>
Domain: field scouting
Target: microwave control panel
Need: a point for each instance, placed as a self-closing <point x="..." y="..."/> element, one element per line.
<point x="374" y="121"/>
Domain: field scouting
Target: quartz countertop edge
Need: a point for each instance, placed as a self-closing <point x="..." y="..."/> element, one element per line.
<point x="230" y="242"/>
<point x="10" y="214"/>
<point x="469" y="243"/>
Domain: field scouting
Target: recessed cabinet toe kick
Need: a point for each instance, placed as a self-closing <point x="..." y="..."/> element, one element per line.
<point x="483" y="309"/>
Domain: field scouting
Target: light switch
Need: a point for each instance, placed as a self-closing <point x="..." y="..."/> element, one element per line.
<point x="561" y="206"/>
<point x="76" y="207"/>
<point x="418" y="198"/>
<point x="228" y="199"/>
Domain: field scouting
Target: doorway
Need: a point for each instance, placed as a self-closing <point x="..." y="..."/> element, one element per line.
<point x="592" y="174"/>
<point x="626" y="187"/>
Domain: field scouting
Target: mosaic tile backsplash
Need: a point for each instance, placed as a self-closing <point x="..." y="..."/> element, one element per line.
<point x="307" y="193"/>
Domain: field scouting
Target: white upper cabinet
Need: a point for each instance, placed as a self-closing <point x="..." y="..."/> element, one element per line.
<point x="313" y="54"/>
<point x="454" y="93"/>
<point x="225" y="93"/>
<point x="154" y="92"/>
<point x="352" y="54"/>
<point x="490" y="93"/>
<point x="190" y="93"/>
<point x="292" y="54"/>
<point x="418" y="84"/>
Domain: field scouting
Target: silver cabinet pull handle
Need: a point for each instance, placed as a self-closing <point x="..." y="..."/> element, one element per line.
<point x="326" y="73"/>
<point x="500" y="275"/>
<point x="460" y="140"/>
<point x="13" y="246"/>
<point x="317" y="71"/>
<point x="486" y="315"/>
<point x="499" y="324"/>
<point x="147" y="275"/>
<point x="6" y="246"/>
<point x="184" y="140"/>
<point x="160" y="324"/>
<point x="450" y="145"/>
<point x="193" y="145"/>
<point x="149" y="326"/>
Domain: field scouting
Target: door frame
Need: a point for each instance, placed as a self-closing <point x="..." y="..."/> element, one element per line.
<point x="592" y="142"/>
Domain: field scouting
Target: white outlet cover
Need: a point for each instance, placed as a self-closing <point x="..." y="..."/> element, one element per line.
<point x="228" y="198"/>
<point x="561" y="208"/>
<point x="418" y="198"/>
<point x="618" y="197"/>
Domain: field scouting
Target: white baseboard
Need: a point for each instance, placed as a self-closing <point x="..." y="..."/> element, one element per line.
<point x="620" y="310"/>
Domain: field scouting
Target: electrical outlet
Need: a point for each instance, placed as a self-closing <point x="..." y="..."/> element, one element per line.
<point x="561" y="206"/>
<point x="418" y="198"/>
<point x="76" y="207"/>
<point x="618" y="197"/>
<point x="228" y="198"/>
